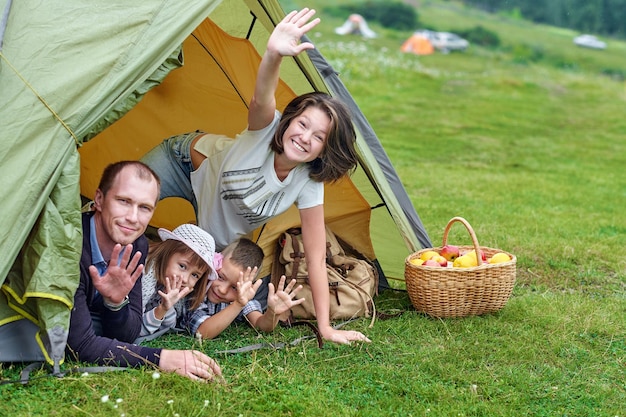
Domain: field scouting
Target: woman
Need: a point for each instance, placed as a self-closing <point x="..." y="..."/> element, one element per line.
<point x="237" y="185"/>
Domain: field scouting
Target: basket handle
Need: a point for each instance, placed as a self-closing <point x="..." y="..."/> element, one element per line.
<point x="469" y="229"/>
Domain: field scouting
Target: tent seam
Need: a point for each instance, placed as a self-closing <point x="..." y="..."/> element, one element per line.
<point x="56" y="116"/>
<point x="27" y="295"/>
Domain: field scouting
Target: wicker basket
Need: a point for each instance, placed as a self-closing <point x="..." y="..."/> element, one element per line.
<point x="460" y="292"/>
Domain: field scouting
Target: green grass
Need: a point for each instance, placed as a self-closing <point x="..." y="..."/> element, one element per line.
<point x="533" y="156"/>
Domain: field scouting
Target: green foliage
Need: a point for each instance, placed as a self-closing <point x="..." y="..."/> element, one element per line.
<point x="479" y="35"/>
<point x="604" y="17"/>
<point x="526" y="54"/>
<point x="388" y="14"/>
<point x="617" y="74"/>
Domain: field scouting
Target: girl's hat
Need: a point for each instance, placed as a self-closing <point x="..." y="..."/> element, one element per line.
<point x="197" y="239"/>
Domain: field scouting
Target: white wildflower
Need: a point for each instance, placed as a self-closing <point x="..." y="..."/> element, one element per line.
<point x="105" y="398"/>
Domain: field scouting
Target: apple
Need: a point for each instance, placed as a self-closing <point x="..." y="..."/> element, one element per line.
<point x="440" y="260"/>
<point x="450" y="252"/>
<point x="465" y="261"/>
<point x="432" y="262"/>
<point x="416" y="261"/>
<point x="428" y="255"/>
<point x="472" y="253"/>
<point x="499" y="257"/>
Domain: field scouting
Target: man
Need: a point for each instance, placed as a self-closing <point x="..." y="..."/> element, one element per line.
<point x="107" y="314"/>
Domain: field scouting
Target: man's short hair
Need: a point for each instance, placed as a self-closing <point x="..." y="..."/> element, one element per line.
<point x="142" y="171"/>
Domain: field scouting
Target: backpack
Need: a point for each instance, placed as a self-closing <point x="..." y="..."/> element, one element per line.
<point x="352" y="278"/>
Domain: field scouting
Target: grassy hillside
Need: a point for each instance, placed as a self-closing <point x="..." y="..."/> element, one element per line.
<point x="487" y="136"/>
<point x="530" y="148"/>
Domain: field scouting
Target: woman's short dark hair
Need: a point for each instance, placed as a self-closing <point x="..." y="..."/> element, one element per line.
<point x="338" y="156"/>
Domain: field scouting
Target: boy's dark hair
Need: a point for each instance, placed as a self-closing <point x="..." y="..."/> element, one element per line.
<point x="158" y="257"/>
<point x="245" y="253"/>
<point x="339" y="155"/>
<point x="142" y="171"/>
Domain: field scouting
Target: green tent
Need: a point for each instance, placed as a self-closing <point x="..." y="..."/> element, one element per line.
<point x="84" y="84"/>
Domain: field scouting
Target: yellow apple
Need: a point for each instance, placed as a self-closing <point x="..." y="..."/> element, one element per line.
<point x="465" y="261"/>
<point x="416" y="261"/>
<point x="428" y="255"/>
<point x="499" y="258"/>
<point x="472" y="253"/>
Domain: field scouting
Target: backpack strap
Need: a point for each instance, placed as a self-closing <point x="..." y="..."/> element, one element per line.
<point x="297" y="255"/>
<point x="25" y="377"/>
<point x="289" y="323"/>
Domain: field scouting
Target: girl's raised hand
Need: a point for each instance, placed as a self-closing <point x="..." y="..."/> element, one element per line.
<point x="285" y="39"/>
<point x="174" y="291"/>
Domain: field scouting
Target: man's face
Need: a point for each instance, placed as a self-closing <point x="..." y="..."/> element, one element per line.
<point x="123" y="214"/>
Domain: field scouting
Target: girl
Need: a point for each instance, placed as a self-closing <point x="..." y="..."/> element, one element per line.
<point x="237" y="185"/>
<point x="179" y="265"/>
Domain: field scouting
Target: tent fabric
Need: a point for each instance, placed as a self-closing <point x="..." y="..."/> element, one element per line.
<point x="417" y="44"/>
<point x="62" y="67"/>
<point x="356" y="24"/>
<point x="87" y="84"/>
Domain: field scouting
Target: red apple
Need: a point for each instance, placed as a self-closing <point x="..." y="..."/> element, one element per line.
<point x="432" y="262"/>
<point x="441" y="260"/>
<point x="450" y="252"/>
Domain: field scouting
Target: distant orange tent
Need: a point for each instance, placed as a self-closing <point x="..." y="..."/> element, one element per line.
<point x="417" y="44"/>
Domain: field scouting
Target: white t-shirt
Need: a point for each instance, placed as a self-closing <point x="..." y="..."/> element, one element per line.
<point x="236" y="186"/>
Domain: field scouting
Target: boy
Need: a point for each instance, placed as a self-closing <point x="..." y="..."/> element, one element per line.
<point x="231" y="295"/>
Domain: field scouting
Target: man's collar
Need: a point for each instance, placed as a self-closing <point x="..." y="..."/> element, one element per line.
<point x="96" y="254"/>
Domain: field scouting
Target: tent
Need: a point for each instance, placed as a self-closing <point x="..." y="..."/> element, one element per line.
<point x="418" y="43"/>
<point x="86" y="84"/>
<point x="356" y="24"/>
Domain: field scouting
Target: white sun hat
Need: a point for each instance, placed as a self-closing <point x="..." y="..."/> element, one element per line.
<point x="197" y="239"/>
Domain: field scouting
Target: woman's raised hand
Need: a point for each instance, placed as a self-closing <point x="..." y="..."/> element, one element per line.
<point x="285" y="39"/>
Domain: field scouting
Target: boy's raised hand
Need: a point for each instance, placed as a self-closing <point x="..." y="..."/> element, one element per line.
<point x="246" y="289"/>
<point x="282" y="299"/>
<point x="285" y="39"/>
<point x="174" y="291"/>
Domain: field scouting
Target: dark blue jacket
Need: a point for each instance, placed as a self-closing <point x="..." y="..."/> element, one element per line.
<point x="119" y="328"/>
